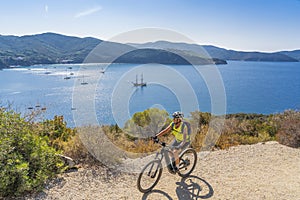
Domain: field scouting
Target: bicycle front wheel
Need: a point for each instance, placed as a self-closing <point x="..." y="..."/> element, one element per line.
<point x="187" y="162"/>
<point x="149" y="176"/>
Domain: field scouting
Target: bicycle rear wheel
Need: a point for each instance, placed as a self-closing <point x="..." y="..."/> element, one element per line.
<point x="187" y="162"/>
<point x="149" y="176"/>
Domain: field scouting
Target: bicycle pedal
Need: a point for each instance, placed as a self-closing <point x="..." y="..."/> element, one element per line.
<point x="172" y="171"/>
<point x="175" y="169"/>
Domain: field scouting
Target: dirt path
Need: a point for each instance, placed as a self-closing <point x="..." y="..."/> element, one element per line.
<point x="260" y="171"/>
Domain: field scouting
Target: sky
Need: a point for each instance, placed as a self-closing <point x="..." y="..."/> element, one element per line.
<point x="245" y="25"/>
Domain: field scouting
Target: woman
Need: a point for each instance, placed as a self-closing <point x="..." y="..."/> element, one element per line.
<point x="181" y="130"/>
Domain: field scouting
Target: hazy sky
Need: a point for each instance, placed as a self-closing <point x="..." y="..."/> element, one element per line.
<point x="249" y="25"/>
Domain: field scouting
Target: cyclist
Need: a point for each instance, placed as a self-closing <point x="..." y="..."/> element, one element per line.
<point x="181" y="130"/>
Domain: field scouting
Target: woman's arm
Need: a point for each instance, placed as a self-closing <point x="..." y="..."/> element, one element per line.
<point x="163" y="132"/>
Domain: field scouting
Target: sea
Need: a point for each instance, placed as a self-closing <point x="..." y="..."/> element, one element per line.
<point x="105" y="93"/>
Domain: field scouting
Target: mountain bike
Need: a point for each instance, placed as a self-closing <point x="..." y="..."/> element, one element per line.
<point x="151" y="173"/>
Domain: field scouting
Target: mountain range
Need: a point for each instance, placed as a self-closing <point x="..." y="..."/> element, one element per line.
<point x="51" y="48"/>
<point x="224" y="54"/>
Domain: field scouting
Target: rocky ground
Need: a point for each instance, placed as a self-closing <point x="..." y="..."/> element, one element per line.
<point x="261" y="171"/>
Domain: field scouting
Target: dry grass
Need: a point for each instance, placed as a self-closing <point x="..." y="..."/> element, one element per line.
<point x="235" y="130"/>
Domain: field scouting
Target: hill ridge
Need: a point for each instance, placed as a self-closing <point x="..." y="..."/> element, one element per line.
<point x="52" y="48"/>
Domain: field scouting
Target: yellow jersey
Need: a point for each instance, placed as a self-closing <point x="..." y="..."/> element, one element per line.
<point x="179" y="132"/>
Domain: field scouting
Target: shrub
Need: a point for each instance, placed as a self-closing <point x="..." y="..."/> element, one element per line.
<point x="75" y="149"/>
<point x="289" y="128"/>
<point x="246" y="129"/>
<point x="56" y="131"/>
<point x="26" y="160"/>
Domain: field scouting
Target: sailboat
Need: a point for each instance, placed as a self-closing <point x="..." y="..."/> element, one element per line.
<point x="141" y="84"/>
<point x="67" y="77"/>
<point x="102" y="71"/>
<point x="83" y="82"/>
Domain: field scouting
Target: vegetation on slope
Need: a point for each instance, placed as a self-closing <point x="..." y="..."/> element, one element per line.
<point x="237" y="129"/>
<point x="26" y="158"/>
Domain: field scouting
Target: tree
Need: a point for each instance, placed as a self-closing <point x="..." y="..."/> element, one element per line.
<point x="146" y="123"/>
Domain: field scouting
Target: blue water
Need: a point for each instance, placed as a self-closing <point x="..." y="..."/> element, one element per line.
<point x="248" y="87"/>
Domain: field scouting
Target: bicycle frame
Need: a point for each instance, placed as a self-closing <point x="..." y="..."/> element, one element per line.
<point x="165" y="154"/>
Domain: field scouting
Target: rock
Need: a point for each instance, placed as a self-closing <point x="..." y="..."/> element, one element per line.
<point x="68" y="161"/>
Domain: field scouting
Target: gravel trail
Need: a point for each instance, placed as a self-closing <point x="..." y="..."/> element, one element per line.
<point x="261" y="171"/>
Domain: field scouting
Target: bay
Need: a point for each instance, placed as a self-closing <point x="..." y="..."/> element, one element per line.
<point x="247" y="87"/>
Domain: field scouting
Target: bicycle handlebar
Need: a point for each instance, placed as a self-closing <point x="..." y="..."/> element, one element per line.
<point x="156" y="140"/>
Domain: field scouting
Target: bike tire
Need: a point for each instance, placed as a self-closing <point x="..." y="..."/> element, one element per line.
<point x="184" y="169"/>
<point x="153" y="168"/>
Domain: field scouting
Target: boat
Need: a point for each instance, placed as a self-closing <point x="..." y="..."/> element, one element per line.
<point x="141" y="84"/>
<point x="67" y="77"/>
<point x="102" y="71"/>
<point x="83" y="82"/>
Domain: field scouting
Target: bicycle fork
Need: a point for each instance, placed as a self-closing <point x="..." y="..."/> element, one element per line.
<point x="152" y="166"/>
<point x="155" y="172"/>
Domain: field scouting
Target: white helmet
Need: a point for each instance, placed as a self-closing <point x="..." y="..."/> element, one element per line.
<point x="177" y="114"/>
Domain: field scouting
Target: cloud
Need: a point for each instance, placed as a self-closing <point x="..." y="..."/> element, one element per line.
<point x="88" y="12"/>
<point x="46" y="8"/>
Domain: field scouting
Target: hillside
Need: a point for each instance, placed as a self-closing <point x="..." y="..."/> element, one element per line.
<point x="224" y="54"/>
<point x="165" y="57"/>
<point x="51" y="48"/>
<point x="261" y="171"/>
<point x="46" y="48"/>
<point x="294" y="54"/>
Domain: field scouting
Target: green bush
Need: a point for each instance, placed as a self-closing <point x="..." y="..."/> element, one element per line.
<point x="56" y="131"/>
<point x="146" y="123"/>
<point x="26" y="160"/>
